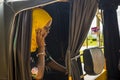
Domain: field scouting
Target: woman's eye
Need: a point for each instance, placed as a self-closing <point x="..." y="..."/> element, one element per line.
<point x="47" y="28"/>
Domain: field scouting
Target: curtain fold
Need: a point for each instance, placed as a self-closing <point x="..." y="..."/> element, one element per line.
<point x="20" y="63"/>
<point x="82" y="13"/>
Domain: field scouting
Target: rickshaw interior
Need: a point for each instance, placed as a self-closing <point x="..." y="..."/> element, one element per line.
<point x="70" y="26"/>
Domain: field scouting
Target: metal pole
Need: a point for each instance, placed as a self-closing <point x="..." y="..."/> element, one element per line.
<point x="98" y="26"/>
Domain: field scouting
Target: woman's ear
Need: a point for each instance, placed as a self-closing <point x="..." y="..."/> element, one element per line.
<point x="49" y="23"/>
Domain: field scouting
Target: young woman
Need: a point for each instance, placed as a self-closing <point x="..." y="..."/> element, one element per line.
<point x="41" y="22"/>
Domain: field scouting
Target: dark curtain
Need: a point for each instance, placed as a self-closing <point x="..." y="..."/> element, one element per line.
<point x="111" y="43"/>
<point x="81" y="15"/>
<point x="19" y="60"/>
<point x="57" y="39"/>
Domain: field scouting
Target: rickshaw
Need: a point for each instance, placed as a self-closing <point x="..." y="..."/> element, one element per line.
<point x="72" y="21"/>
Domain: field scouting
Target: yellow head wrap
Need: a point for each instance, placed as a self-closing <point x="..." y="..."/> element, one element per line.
<point x="40" y="18"/>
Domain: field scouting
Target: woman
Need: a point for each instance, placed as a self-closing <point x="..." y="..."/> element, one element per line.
<point x="40" y="28"/>
<point x="41" y="22"/>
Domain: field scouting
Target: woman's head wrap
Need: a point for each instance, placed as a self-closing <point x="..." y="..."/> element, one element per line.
<point x="40" y="18"/>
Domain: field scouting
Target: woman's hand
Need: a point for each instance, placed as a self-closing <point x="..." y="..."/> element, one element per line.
<point x="40" y="38"/>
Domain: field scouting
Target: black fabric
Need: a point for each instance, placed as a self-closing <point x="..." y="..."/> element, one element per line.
<point x="57" y="39"/>
<point x="34" y="58"/>
<point x="55" y="76"/>
<point x="105" y="4"/>
<point x="88" y="63"/>
<point x="111" y="43"/>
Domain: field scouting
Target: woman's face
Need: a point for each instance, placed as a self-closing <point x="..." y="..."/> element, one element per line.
<point x="46" y="29"/>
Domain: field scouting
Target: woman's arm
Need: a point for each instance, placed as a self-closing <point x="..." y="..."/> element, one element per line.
<point x="40" y="38"/>
<point x="41" y="65"/>
<point x="54" y="65"/>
